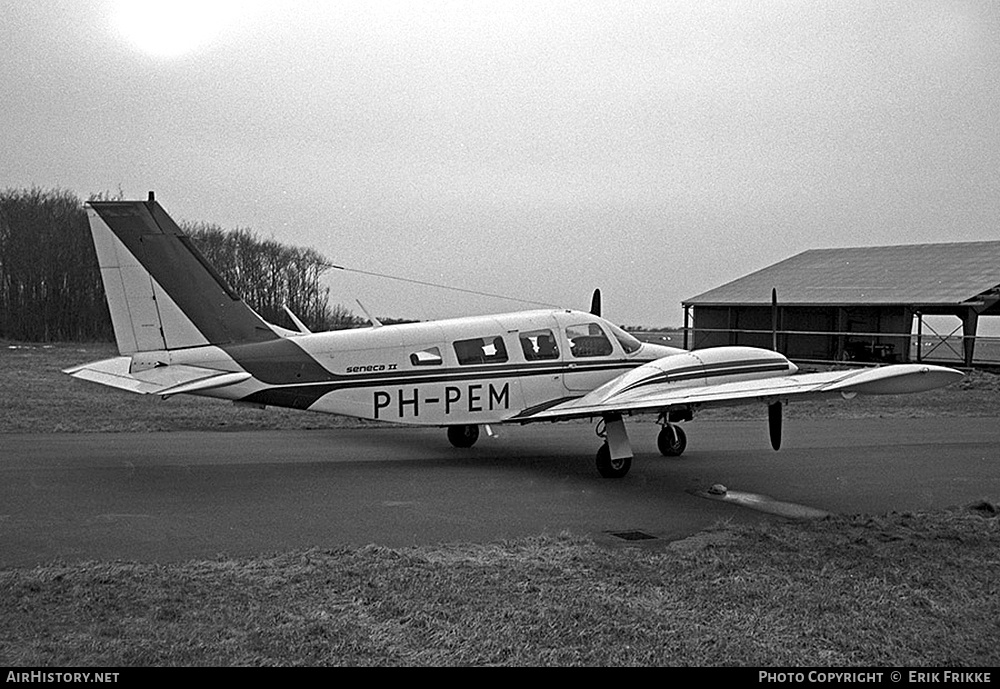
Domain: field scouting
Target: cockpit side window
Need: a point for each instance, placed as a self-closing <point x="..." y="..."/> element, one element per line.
<point x="481" y="350"/>
<point x="538" y="345"/>
<point x="587" y="339"/>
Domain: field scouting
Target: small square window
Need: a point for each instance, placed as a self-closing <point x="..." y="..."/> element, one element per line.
<point x="426" y="357"/>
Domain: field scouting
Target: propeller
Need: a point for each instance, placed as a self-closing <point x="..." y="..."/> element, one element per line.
<point x="774" y="409"/>
<point x="774" y="424"/>
<point x="774" y="319"/>
<point x="595" y="303"/>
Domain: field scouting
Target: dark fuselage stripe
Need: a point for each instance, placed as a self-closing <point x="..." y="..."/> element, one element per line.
<point x="303" y="395"/>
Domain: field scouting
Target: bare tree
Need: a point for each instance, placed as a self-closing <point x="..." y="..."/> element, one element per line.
<point x="51" y="289"/>
<point x="50" y="286"/>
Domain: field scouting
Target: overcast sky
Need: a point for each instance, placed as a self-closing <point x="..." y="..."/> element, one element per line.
<point x="532" y="149"/>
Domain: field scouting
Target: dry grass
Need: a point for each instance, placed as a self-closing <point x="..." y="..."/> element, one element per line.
<point x="899" y="590"/>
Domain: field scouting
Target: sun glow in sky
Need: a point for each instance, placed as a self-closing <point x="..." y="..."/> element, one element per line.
<point x="169" y="28"/>
<point x="532" y="148"/>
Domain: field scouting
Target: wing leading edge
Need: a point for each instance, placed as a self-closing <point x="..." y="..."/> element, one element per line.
<point x="622" y="396"/>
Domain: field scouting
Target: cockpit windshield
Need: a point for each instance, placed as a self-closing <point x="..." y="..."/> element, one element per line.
<point x="628" y="343"/>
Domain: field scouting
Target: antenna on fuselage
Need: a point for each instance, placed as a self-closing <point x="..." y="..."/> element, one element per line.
<point x="295" y="319"/>
<point x="376" y="323"/>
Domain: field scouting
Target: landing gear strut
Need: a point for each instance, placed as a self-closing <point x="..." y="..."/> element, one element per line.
<point x="463" y="436"/>
<point x="614" y="458"/>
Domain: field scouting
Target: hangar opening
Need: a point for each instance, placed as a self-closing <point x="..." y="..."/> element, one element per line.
<point x="865" y="304"/>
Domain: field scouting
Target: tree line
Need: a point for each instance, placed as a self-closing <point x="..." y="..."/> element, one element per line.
<point x="51" y="289"/>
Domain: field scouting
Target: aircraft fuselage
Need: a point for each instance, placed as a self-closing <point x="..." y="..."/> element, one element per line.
<point x="476" y="370"/>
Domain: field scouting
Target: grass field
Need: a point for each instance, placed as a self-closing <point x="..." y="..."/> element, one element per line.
<point x="862" y="590"/>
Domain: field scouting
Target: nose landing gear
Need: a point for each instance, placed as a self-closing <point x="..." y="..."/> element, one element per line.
<point x="611" y="468"/>
<point x="614" y="458"/>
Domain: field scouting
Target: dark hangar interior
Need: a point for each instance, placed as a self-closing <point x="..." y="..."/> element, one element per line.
<point x="865" y="304"/>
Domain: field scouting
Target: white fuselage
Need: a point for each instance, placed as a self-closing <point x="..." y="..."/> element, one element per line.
<point x="476" y="370"/>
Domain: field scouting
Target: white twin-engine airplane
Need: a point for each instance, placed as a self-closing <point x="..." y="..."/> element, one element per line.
<point x="182" y="330"/>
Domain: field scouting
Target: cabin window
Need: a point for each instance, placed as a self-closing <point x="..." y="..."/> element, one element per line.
<point x="426" y="357"/>
<point x="481" y="350"/>
<point x="587" y="339"/>
<point x="538" y="345"/>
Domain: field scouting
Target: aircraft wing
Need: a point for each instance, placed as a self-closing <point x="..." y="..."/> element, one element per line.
<point x="623" y="396"/>
<point x="161" y="380"/>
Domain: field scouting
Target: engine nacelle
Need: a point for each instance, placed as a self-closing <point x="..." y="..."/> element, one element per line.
<point x="715" y="365"/>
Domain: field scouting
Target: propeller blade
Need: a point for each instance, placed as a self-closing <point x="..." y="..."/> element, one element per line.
<point x="774" y="319"/>
<point x="774" y="424"/>
<point x="595" y="303"/>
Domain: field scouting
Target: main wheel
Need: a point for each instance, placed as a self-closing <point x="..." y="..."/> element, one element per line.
<point x="611" y="468"/>
<point x="671" y="441"/>
<point x="463" y="436"/>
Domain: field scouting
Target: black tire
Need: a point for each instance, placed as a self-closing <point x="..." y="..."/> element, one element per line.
<point x="463" y="436"/>
<point x="611" y="468"/>
<point x="671" y="441"/>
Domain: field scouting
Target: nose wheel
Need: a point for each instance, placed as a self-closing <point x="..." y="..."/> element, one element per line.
<point x="614" y="458"/>
<point x="612" y="468"/>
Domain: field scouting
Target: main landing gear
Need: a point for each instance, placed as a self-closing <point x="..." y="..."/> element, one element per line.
<point x="671" y="440"/>
<point x="463" y="436"/>
<point x="614" y="458"/>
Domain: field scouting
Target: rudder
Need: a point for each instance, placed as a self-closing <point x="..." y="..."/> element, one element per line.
<point x="162" y="293"/>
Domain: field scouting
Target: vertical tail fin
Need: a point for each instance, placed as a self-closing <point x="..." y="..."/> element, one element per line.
<point x="162" y="293"/>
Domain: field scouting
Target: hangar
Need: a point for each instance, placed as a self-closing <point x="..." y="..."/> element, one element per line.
<point x="858" y="304"/>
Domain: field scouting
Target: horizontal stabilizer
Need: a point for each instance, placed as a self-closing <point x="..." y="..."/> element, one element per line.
<point x="162" y="380"/>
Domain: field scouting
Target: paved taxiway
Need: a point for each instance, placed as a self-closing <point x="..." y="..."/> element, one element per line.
<point x="177" y="496"/>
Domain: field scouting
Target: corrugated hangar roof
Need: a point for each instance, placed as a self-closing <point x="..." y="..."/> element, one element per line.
<point x="910" y="274"/>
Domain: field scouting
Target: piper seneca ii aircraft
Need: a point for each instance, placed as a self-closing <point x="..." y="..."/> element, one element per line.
<point x="181" y="329"/>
